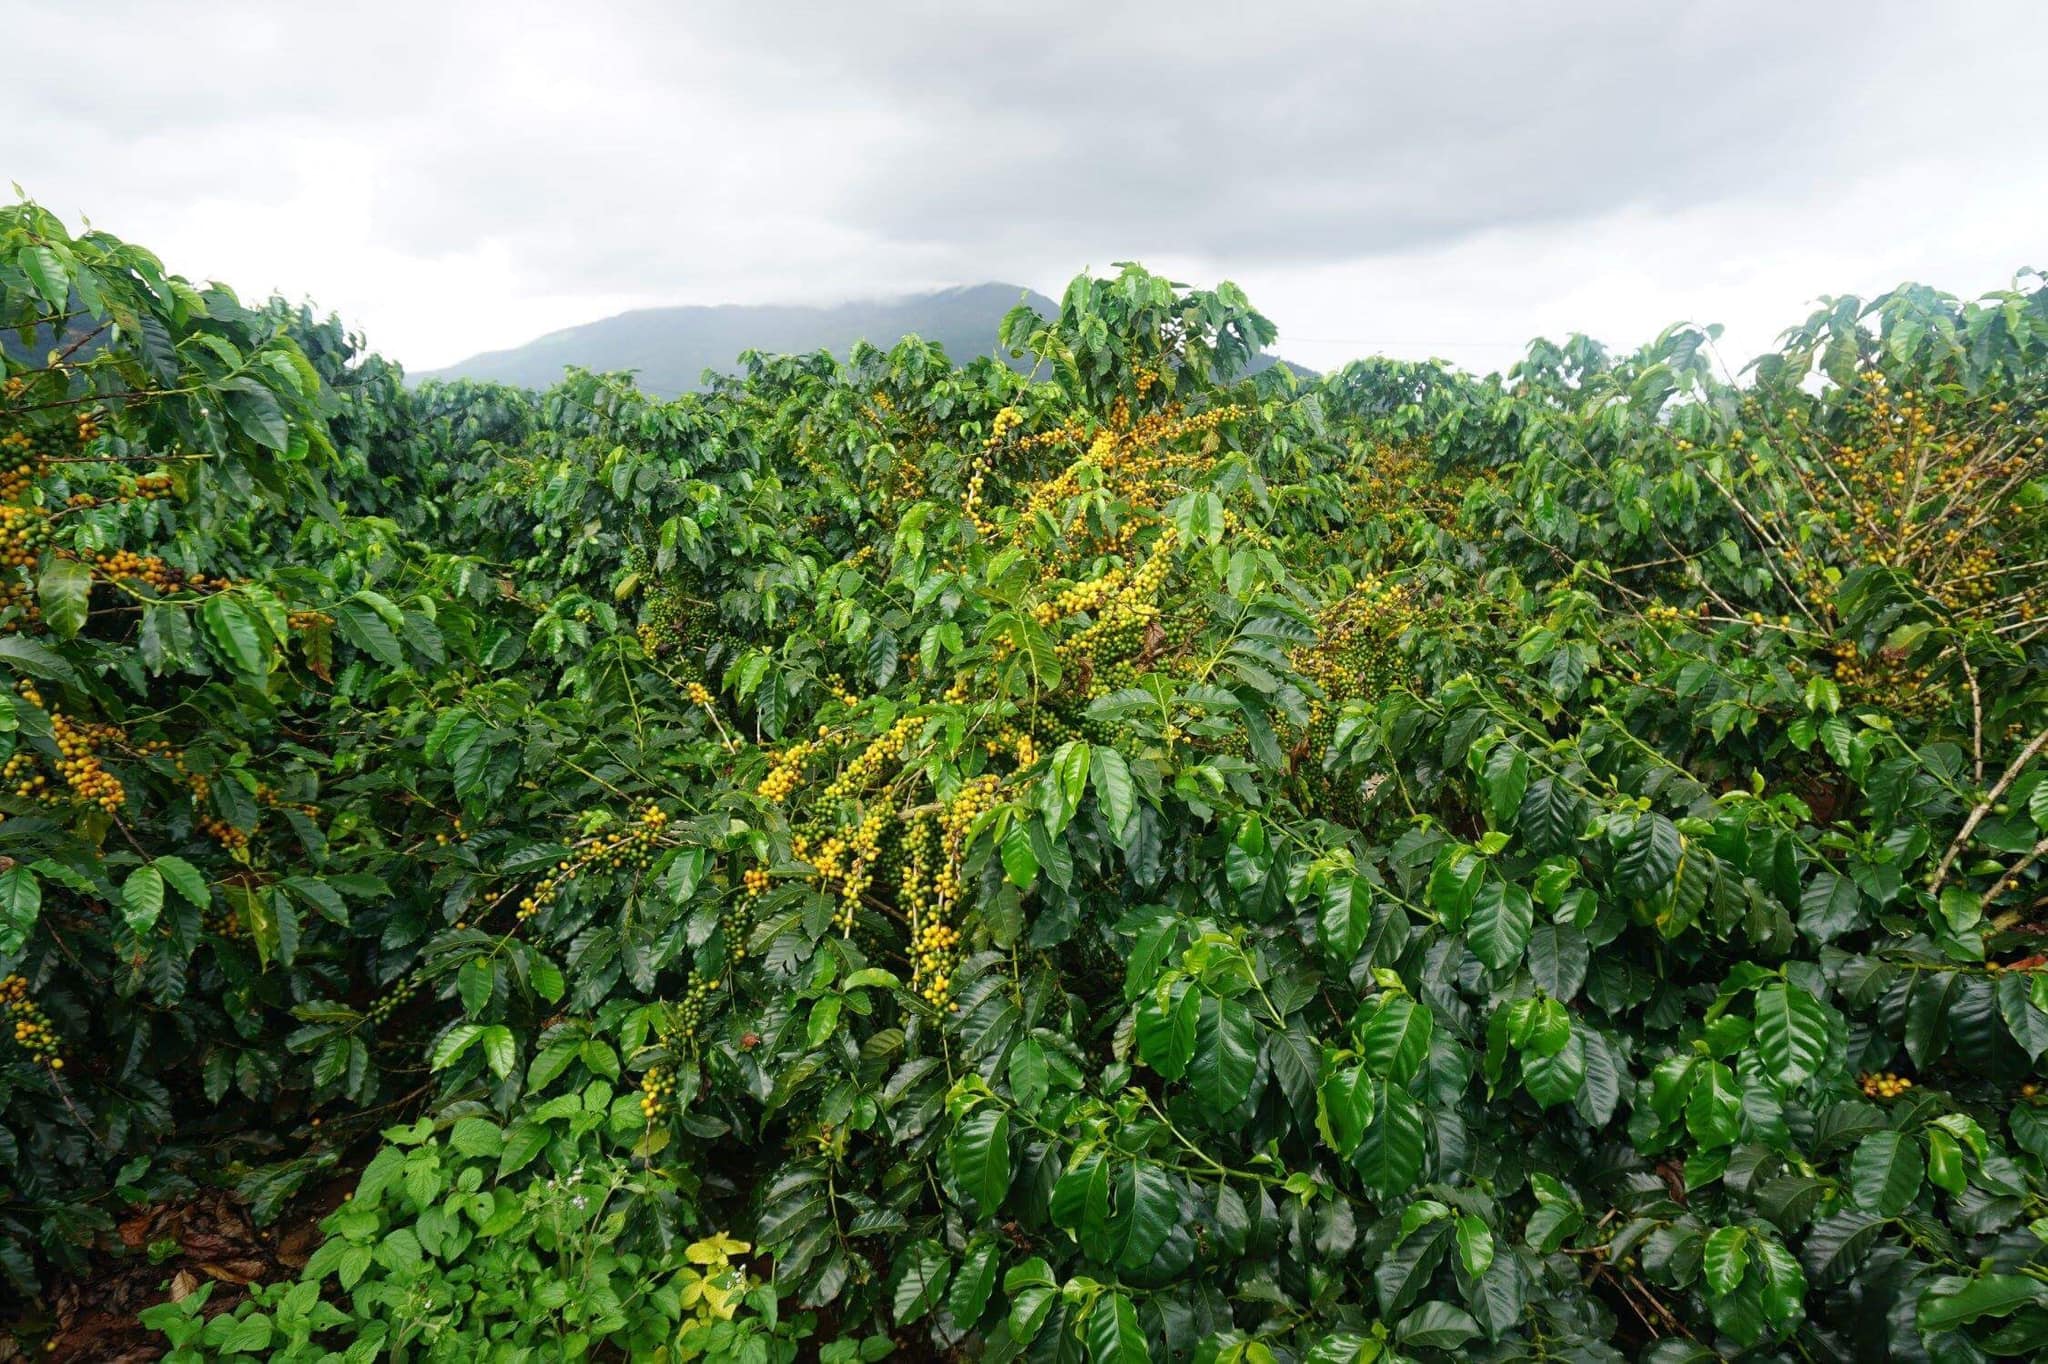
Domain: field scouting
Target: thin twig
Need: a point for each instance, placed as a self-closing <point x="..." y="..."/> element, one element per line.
<point x="1955" y="847"/>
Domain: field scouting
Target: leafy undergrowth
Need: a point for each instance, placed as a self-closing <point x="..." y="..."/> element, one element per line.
<point x="888" y="859"/>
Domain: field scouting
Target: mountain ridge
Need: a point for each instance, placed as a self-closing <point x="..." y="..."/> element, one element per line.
<point x="669" y="348"/>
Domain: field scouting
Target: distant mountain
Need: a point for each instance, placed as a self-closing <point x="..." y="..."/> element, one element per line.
<point x="670" y="348"/>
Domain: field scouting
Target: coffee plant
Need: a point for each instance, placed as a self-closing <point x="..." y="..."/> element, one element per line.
<point x="1113" y="862"/>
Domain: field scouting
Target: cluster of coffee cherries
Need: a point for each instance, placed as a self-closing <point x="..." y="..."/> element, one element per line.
<point x="456" y="834"/>
<point x="755" y="880"/>
<point x="630" y="848"/>
<point x="934" y="886"/>
<point x="124" y="565"/>
<point x="80" y="766"/>
<point x="934" y="943"/>
<point x="213" y="826"/>
<point x="24" y="535"/>
<point x="868" y="764"/>
<point x="1884" y="1085"/>
<point x="844" y="864"/>
<point x="1017" y="743"/>
<point x="1118" y="624"/>
<point x="785" y="769"/>
<point x="23" y="460"/>
<point x="696" y="1000"/>
<point x="657" y="1092"/>
<point x="699" y="694"/>
<point x="31" y="1028"/>
<point x="1090" y="594"/>
<point x="400" y="990"/>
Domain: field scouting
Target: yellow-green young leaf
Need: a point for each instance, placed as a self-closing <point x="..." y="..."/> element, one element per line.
<point x="142" y="898"/>
<point x="65" y="594"/>
<point x="980" y="1148"/>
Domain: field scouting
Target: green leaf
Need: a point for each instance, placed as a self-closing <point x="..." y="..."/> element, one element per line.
<point x="1885" y="1172"/>
<point x="1345" y="919"/>
<point x="65" y="594"/>
<point x="1713" y="1113"/>
<point x="1437" y="1325"/>
<point x="142" y="898"/>
<point x="478" y="1137"/>
<point x="1649" y="858"/>
<point x="1347" y="1098"/>
<point x="235" y="635"/>
<point x="37" y="659"/>
<point x="1726" y="1258"/>
<point x="362" y="625"/>
<point x="980" y="1149"/>
<point x="1475" y="1246"/>
<point x="1020" y="863"/>
<point x="972" y="1285"/>
<point x="1033" y="1292"/>
<point x="185" y="879"/>
<point x="1791" y="1034"/>
<point x="1395" y="1040"/>
<point x="1944" y="1161"/>
<point x="1498" y="929"/>
<point x="2023" y="1018"/>
<point x="1112" y="1332"/>
<point x="1953" y="1302"/>
<point x="453" y="1044"/>
<point x="922" y="1269"/>
<point x="1784" y="1281"/>
<point x="500" y="1052"/>
<point x="21" y="904"/>
<point x="1556" y="1078"/>
<point x="1117" y="794"/>
<point x="1226" y="1054"/>
<point x="1148" y="1207"/>
<point x="1166" y="1023"/>
<point x="1390" y="1156"/>
<point x="47" y="271"/>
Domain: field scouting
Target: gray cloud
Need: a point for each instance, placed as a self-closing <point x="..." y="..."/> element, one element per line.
<point x="467" y="173"/>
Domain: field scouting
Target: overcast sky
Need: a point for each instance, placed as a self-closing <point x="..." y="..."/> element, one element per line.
<point x="1382" y="176"/>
